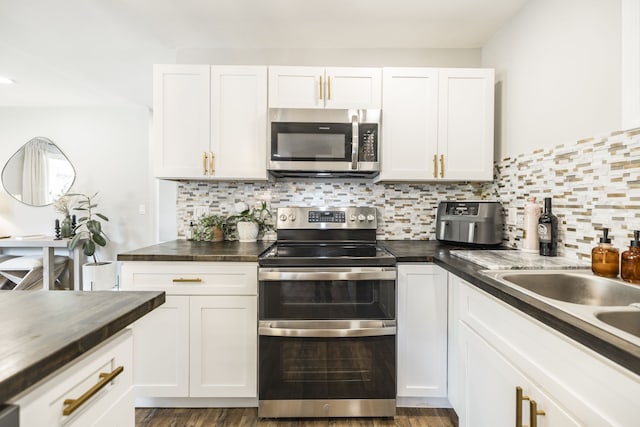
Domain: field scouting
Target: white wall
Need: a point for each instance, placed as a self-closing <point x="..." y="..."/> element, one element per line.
<point x="333" y="57"/>
<point x="109" y="148"/>
<point x="558" y="68"/>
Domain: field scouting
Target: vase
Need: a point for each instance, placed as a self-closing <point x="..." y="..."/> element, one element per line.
<point x="99" y="276"/>
<point x="66" y="230"/>
<point x="217" y="234"/>
<point x="247" y="231"/>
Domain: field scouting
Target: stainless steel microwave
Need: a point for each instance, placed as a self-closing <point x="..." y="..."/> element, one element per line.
<point x="334" y="143"/>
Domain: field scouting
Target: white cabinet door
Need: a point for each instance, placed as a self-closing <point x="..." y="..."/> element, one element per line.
<point x="422" y="331"/>
<point x="224" y="346"/>
<point x="490" y="386"/>
<point x="239" y="122"/>
<point x="296" y="87"/>
<point x="465" y="127"/>
<point x="317" y="87"/>
<point x="180" y="119"/>
<point x="410" y="128"/>
<point x="161" y="350"/>
<point x="353" y="88"/>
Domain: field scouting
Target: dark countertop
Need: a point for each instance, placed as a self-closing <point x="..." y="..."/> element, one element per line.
<point x="42" y="331"/>
<point x="188" y="250"/>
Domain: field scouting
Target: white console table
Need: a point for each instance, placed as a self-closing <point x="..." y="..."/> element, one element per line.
<point x="48" y="244"/>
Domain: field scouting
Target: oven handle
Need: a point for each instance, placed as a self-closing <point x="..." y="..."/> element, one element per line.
<point x="326" y="329"/>
<point x="355" y="273"/>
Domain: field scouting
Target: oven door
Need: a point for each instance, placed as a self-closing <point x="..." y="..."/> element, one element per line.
<point x="332" y="293"/>
<point x="327" y="368"/>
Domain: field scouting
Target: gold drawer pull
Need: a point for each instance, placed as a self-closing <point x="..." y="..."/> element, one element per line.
<point x="329" y="88"/>
<point x="534" y="413"/>
<point x="72" y="404"/>
<point x="204" y="163"/>
<point x="441" y="165"/>
<point x="435" y="165"/>
<point x="183" y="280"/>
<point x="519" y="399"/>
<point x="212" y="168"/>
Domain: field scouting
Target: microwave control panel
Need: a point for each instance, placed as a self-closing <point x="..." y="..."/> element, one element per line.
<point x="368" y="143"/>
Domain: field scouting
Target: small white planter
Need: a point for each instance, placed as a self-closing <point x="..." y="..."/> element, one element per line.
<point x="99" y="277"/>
<point x="247" y="231"/>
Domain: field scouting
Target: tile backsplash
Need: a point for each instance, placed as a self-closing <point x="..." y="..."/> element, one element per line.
<point x="594" y="183"/>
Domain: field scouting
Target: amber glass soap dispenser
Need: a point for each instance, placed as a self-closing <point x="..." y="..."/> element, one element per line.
<point x="605" y="259"/>
<point x="630" y="270"/>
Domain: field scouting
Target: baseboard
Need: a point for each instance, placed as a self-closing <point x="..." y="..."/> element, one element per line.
<point x="196" y="402"/>
<point x="422" y="402"/>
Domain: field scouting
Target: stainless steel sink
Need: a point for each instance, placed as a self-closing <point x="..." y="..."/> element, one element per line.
<point x="628" y="321"/>
<point x="610" y="304"/>
<point x="575" y="287"/>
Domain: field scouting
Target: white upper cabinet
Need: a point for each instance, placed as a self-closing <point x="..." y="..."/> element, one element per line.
<point x="180" y="119"/>
<point x="437" y="124"/>
<point x="465" y="124"/>
<point x="320" y="87"/>
<point x="210" y="122"/>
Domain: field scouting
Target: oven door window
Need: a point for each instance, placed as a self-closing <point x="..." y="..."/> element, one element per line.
<point x="327" y="368"/>
<point x="310" y="141"/>
<point x="327" y="300"/>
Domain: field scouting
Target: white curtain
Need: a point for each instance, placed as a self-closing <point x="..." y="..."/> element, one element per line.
<point x="35" y="172"/>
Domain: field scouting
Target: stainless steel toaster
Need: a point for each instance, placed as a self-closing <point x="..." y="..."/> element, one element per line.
<point x="470" y="222"/>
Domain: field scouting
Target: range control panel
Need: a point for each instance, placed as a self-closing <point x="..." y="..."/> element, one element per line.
<point x="327" y="218"/>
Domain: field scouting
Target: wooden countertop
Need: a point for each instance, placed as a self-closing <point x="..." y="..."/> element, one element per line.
<point x="188" y="250"/>
<point x="42" y="331"/>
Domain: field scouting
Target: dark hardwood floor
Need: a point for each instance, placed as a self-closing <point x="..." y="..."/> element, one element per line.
<point x="248" y="417"/>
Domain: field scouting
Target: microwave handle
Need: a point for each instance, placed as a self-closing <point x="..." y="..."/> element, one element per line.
<point x="354" y="142"/>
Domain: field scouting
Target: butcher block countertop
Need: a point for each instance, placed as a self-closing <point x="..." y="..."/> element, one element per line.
<point x="42" y="331"/>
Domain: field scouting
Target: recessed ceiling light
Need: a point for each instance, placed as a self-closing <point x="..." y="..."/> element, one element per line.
<point x="6" y="81"/>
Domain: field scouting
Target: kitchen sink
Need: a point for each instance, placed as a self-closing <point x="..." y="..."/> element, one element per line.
<point x="576" y="287"/>
<point x="609" y="304"/>
<point x="628" y="321"/>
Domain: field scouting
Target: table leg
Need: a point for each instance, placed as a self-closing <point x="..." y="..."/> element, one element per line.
<point x="49" y="277"/>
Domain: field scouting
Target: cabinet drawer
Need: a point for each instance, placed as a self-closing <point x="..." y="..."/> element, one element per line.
<point x="109" y="366"/>
<point x="192" y="278"/>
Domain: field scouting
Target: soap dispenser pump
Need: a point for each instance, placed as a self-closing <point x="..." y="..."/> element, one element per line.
<point x="630" y="270"/>
<point x="605" y="258"/>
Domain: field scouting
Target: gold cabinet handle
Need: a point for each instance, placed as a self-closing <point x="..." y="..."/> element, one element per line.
<point x="519" y="399"/>
<point x="204" y="163"/>
<point x="328" y="88"/>
<point x="70" y="405"/>
<point x="441" y="165"/>
<point x="212" y="168"/>
<point x="534" y="413"/>
<point x="183" y="280"/>
<point x="321" y="87"/>
<point x="435" y="165"/>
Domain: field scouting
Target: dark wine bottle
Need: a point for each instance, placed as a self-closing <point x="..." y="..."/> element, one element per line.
<point x="548" y="230"/>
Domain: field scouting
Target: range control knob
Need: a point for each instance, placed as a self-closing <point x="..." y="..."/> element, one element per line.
<point x="283" y="217"/>
<point x="361" y="218"/>
<point x="370" y="218"/>
<point x="292" y="217"/>
<point x="352" y="218"/>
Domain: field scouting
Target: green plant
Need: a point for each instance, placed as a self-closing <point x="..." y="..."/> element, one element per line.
<point x="203" y="230"/>
<point x="260" y="215"/>
<point x="89" y="229"/>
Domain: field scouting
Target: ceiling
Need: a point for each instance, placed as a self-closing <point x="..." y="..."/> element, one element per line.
<point x="100" y="52"/>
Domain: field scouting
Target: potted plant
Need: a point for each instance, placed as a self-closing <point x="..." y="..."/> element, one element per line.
<point x="210" y="228"/>
<point x="249" y="223"/>
<point x="88" y="233"/>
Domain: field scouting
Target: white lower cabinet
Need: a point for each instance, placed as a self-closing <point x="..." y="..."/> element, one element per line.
<point x="202" y="343"/>
<point x="494" y="349"/>
<point x="422" y="333"/>
<point x="103" y="376"/>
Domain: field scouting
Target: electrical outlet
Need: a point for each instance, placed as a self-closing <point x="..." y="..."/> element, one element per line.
<point x="200" y="211"/>
<point x="512" y="216"/>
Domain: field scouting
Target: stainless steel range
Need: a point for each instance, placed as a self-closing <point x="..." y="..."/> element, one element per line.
<point x="327" y="317"/>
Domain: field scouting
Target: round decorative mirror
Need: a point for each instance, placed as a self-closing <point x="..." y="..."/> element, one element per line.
<point x="38" y="173"/>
